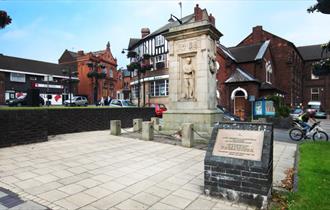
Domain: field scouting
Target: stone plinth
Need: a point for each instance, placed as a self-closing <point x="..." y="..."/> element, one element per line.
<point x="115" y="126"/>
<point x="187" y="135"/>
<point x="241" y="180"/>
<point x="137" y="124"/>
<point x="147" y="131"/>
<point x="203" y="120"/>
<point x="192" y="76"/>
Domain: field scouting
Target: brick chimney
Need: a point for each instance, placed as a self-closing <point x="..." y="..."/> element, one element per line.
<point x="257" y="34"/>
<point x="198" y="13"/>
<point x="212" y="19"/>
<point x="80" y="52"/>
<point x="145" y="32"/>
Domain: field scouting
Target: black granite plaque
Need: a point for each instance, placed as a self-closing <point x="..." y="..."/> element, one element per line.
<point x="240" y="180"/>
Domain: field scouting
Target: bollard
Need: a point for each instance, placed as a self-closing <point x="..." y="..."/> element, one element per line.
<point x="155" y="120"/>
<point x="147" y="131"/>
<point x="137" y="125"/>
<point x="115" y="126"/>
<point x="187" y="135"/>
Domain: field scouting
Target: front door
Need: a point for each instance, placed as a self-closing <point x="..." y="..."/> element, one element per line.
<point x="240" y="107"/>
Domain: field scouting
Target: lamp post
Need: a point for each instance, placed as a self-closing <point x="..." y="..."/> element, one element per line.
<point x="95" y="75"/>
<point x="171" y="20"/>
<point x="141" y="65"/>
<point x="70" y="74"/>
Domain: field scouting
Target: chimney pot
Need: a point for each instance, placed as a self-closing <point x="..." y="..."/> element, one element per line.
<point x="257" y="34"/>
<point x="198" y="13"/>
<point x="80" y="52"/>
<point x="145" y="32"/>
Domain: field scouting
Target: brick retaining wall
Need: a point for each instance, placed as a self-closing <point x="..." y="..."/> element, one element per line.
<point x="27" y="126"/>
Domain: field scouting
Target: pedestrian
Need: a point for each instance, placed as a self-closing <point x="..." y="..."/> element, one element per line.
<point x="109" y="100"/>
<point x="102" y="101"/>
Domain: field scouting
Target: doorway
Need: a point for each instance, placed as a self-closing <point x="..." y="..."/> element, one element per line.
<point x="239" y="95"/>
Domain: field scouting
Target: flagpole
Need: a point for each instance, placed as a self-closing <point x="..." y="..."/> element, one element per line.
<point x="180" y="3"/>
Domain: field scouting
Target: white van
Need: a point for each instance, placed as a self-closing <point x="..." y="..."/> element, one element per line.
<point x="314" y="105"/>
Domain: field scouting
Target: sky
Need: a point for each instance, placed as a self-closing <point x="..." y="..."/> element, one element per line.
<point x="43" y="29"/>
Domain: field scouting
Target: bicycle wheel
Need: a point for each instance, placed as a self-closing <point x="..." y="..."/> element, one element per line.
<point x="320" y="136"/>
<point x="296" y="134"/>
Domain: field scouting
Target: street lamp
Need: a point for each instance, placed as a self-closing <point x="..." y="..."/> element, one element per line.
<point x="171" y="20"/>
<point x="95" y="75"/>
<point x="141" y="65"/>
<point x="70" y="74"/>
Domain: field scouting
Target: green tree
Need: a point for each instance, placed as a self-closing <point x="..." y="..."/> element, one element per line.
<point x="4" y="19"/>
<point x="323" y="66"/>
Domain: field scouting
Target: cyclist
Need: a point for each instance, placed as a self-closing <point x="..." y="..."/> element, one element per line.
<point x="308" y="115"/>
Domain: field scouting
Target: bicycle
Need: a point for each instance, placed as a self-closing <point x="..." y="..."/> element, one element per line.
<point x="316" y="132"/>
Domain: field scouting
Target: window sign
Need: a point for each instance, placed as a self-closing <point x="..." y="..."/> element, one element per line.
<point x="270" y="109"/>
<point x="258" y="108"/>
<point x="16" y="77"/>
<point x="264" y="108"/>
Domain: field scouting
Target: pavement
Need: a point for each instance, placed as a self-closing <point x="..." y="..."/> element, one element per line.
<point x="94" y="170"/>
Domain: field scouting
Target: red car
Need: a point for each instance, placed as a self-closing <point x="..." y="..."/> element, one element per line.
<point x="159" y="108"/>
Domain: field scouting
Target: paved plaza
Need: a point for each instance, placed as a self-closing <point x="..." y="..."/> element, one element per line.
<point x="94" y="170"/>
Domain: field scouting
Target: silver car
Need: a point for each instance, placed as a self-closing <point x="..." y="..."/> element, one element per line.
<point x="76" y="101"/>
<point x="121" y="103"/>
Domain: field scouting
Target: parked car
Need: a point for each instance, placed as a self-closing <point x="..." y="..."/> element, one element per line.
<point x="227" y="115"/>
<point x="159" y="108"/>
<point x="77" y="101"/>
<point x="320" y="114"/>
<point x="296" y="113"/>
<point x="23" y="101"/>
<point x="121" y="103"/>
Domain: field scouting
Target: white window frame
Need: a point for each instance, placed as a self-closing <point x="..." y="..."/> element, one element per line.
<point x="160" y="58"/>
<point x="17" y="77"/>
<point x="153" y="87"/>
<point x="315" y="93"/>
<point x="160" y="40"/>
<point x="111" y="73"/>
<point x="269" y="71"/>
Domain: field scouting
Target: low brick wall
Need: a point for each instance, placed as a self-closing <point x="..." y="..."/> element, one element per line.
<point x="27" y="126"/>
<point x="22" y="126"/>
<point x="79" y="120"/>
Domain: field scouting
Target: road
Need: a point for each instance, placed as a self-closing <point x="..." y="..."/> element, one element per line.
<point x="283" y="135"/>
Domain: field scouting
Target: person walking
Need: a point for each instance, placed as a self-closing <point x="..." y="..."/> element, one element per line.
<point x="102" y="101"/>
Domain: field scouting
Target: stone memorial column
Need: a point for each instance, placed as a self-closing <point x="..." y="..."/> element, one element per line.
<point x="192" y="76"/>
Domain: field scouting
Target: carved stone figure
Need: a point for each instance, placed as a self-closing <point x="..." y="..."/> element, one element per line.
<point x="212" y="64"/>
<point x="189" y="79"/>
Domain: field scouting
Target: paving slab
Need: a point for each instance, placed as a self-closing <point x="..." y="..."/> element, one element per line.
<point x="94" y="170"/>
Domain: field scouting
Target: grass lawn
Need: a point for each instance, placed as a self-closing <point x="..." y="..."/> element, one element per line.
<point x="313" y="178"/>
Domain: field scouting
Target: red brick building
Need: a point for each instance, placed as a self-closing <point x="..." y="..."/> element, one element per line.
<point x="287" y="61"/>
<point x="316" y="88"/>
<point x="109" y="86"/>
<point x="245" y="71"/>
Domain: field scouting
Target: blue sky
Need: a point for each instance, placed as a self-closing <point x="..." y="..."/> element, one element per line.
<point x="43" y="29"/>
